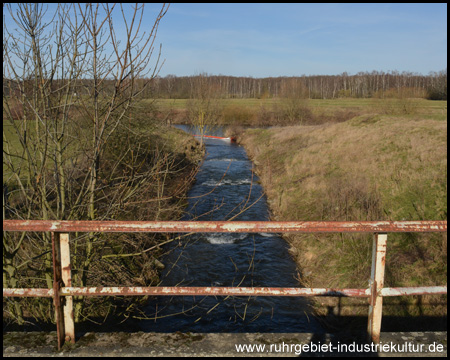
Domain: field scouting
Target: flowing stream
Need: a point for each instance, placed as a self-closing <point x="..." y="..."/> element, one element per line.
<point x="226" y="187"/>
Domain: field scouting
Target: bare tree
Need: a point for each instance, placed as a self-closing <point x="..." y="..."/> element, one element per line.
<point x="294" y="101"/>
<point x="437" y="90"/>
<point x="203" y="104"/>
<point x="70" y="83"/>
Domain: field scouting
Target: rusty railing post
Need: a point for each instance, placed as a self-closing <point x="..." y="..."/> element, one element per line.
<point x="62" y="277"/>
<point x="376" y="284"/>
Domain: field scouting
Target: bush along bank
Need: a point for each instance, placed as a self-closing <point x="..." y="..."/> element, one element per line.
<point x="156" y="169"/>
<point x="372" y="167"/>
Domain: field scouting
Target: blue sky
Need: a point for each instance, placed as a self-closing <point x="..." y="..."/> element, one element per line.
<point x="265" y="39"/>
<point x="262" y="40"/>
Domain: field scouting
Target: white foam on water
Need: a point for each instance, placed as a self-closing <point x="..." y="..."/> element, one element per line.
<point x="227" y="182"/>
<point x="224" y="238"/>
<point x="266" y="234"/>
<point x="223" y="159"/>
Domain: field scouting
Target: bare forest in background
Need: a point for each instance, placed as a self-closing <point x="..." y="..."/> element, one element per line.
<point x="362" y="85"/>
<point x="375" y="84"/>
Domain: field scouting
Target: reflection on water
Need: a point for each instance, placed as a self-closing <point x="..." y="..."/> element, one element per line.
<point x="226" y="188"/>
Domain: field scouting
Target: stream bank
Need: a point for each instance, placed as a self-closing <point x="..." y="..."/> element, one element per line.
<point x="361" y="169"/>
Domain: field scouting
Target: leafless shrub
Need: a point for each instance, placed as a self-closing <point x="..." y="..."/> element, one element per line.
<point x="71" y="84"/>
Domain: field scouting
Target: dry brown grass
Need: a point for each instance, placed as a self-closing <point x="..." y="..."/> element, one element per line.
<point x="372" y="167"/>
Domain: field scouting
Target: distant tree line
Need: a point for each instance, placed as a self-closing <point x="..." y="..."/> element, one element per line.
<point x="362" y="85"/>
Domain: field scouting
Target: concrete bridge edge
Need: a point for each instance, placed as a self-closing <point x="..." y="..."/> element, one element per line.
<point x="400" y="344"/>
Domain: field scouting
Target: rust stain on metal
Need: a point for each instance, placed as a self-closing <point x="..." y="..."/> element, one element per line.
<point x="373" y="294"/>
<point x="225" y="226"/>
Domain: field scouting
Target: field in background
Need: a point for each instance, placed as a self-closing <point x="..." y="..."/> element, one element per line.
<point x="269" y="112"/>
<point x="343" y="102"/>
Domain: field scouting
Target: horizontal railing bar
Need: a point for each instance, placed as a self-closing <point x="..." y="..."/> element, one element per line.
<point x="185" y="291"/>
<point x="220" y="291"/>
<point x="213" y="291"/>
<point x="225" y="226"/>
<point x="10" y="292"/>
<point x="419" y="290"/>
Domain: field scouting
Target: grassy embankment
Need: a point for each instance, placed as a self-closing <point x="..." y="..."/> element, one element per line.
<point x="377" y="165"/>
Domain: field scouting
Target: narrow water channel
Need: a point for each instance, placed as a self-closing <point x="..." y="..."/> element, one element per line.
<point x="227" y="188"/>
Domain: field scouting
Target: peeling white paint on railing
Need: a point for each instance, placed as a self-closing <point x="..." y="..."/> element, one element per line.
<point x="418" y="290"/>
<point x="225" y="226"/>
